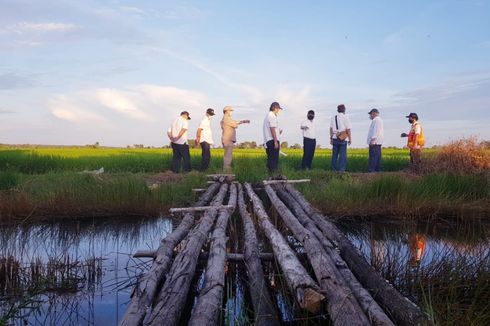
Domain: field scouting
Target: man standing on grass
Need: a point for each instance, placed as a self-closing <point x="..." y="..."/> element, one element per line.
<point x="204" y="137"/>
<point x="416" y="140"/>
<point x="271" y="136"/>
<point x="340" y="137"/>
<point x="228" y="137"/>
<point x="309" y="140"/>
<point x="375" y="140"/>
<point x="177" y="133"/>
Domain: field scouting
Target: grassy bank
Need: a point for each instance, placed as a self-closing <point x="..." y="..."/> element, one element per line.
<point x="69" y="194"/>
<point x="46" y="181"/>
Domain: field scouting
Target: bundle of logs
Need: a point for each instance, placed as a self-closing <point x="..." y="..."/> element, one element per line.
<point x="341" y="279"/>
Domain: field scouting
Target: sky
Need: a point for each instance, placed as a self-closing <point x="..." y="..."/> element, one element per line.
<point x="118" y="72"/>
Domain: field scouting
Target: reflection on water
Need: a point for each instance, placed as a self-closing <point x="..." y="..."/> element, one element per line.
<point x="407" y="251"/>
<point x="82" y="272"/>
<point x="74" y="272"/>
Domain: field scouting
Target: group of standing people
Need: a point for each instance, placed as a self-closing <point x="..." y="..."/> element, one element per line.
<point x="340" y="138"/>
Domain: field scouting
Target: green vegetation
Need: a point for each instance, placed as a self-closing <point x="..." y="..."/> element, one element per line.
<point x="49" y="181"/>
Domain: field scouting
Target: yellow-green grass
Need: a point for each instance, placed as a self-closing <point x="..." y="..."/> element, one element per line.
<point x="49" y="159"/>
<point x="46" y="181"/>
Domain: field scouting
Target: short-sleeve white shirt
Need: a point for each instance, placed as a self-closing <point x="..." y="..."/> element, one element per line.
<point x="177" y="125"/>
<point x="270" y="121"/>
<point x="206" y="133"/>
<point x="310" y="132"/>
<point x="343" y="121"/>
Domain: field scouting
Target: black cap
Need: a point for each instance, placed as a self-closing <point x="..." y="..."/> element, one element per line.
<point x="210" y="111"/>
<point x="187" y="113"/>
<point x="275" y="105"/>
<point x="341" y="108"/>
<point x="373" y="110"/>
<point x="311" y="112"/>
<point x="412" y="115"/>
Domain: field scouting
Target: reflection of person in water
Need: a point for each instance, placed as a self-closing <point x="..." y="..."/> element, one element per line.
<point x="416" y="242"/>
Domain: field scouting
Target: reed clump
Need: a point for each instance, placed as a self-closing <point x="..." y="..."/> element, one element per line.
<point x="464" y="156"/>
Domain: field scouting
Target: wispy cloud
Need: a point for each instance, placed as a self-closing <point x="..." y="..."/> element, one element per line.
<point x="63" y="107"/>
<point x="29" y="27"/>
<point x="253" y="93"/>
<point x="6" y="111"/>
<point x="14" y="81"/>
<point x="172" y="97"/>
<point x="119" y="102"/>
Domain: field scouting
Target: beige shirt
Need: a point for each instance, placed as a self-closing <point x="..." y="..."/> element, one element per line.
<point x="228" y="125"/>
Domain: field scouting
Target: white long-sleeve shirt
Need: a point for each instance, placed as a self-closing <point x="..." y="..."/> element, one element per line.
<point x="376" y="131"/>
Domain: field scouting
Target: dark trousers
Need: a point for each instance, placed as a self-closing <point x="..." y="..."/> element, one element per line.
<point x="180" y="153"/>
<point x="415" y="158"/>
<point x="339" y="155"/>
<point x="205" y="156"/>
<point x="309" y="146"/>
<point x="374" y="164"/>
<point x="272" y="156"/>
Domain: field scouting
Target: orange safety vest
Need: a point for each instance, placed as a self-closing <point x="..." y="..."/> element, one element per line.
<point x="412" y="136"/>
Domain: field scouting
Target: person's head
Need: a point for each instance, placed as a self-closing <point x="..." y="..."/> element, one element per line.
<point x="373" y="113"/>
<point x="227" y="110"/>
<point x="210" y="112"/>
<point x="275" y="107"/>
<point x="310" y="115"/>
<point x="412" y="117"/>
<point x="185" y="115"/>
<point x="341" y="108"/>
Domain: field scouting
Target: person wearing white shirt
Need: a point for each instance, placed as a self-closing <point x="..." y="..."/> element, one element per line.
<point x="340" y="137"/>
<point x="309" y="140"/>
<point x="375" y="140"/>
<point x="177" y="133"/>
<point x="271" y="133"/>
<point x="204" y="137"/>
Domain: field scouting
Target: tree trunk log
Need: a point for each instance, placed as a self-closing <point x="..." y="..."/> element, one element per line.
<point x="171" y="299"/>
<point x="209" y="302"/>
<point x="203" y="256"/>
<point x="398" y="307"/>
<point x="342" y="305"/>
<point x="145" y="290"/>
<point x="373" y="311"/>
<point x="304" y="288"/>
<point x="265" y="313"/>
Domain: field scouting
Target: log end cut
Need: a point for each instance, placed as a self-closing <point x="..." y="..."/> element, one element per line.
<point x="311" y="300"/>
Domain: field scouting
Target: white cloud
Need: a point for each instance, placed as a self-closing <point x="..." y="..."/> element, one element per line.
<point x="173" y="97"/>
<point x="116" y="100"/>
<point x="63" y="107"/>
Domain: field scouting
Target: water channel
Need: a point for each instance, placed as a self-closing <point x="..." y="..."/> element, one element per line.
<point x="82" y="272"/>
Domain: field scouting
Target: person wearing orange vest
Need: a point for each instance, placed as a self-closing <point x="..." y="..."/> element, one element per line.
<point x="415" y="140"/>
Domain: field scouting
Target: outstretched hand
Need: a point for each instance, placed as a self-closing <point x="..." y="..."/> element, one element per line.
<point x="403" y="135"/>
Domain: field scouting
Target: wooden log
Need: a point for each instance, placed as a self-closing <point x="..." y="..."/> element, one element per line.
<point x="198" y="208"/>
<point x="398" y="307"/>
<point x="172" y="297"/>
<point x="209" y="302"/>
<point x="304" y="288"/>
<point x="203" y="256"/>
<point x="226" y="175"/>
<point x="145" y="290"/>
<point x="272" y="182"/>
<point x="263" y="306"/>
<point x="373" y="311"/>
<point x="342" y="305"/>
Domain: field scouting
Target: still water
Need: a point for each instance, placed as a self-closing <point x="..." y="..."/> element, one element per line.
<point x="82" y="272"/>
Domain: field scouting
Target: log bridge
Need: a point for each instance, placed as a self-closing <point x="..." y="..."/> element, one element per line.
<point x="329" y="276"/>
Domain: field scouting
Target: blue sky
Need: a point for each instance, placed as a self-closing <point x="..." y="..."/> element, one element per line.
<point x="118" y="72"/>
